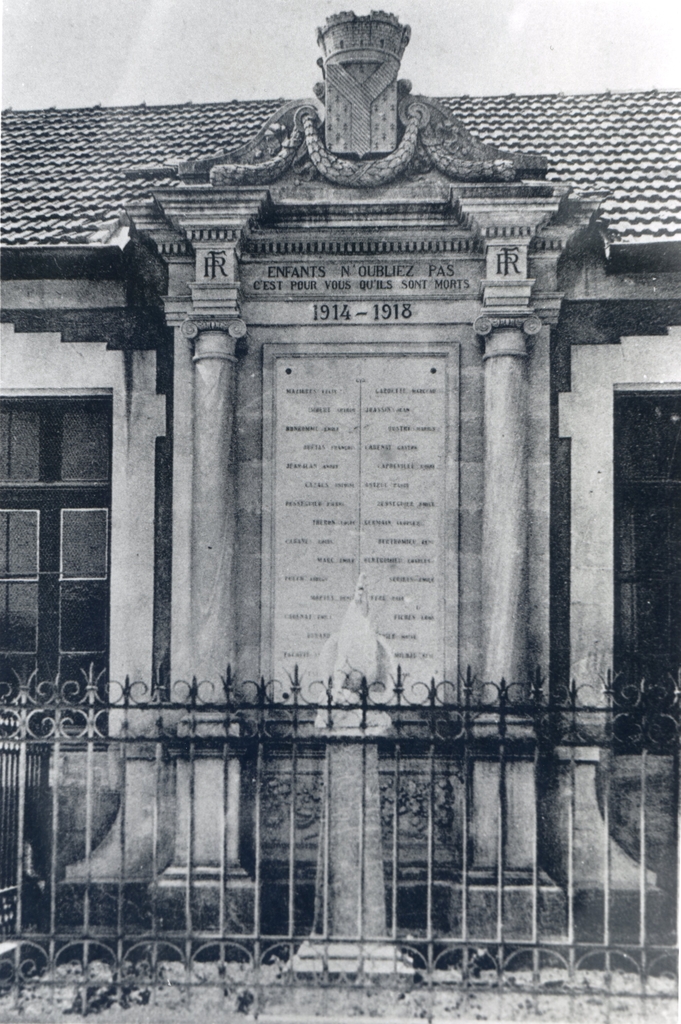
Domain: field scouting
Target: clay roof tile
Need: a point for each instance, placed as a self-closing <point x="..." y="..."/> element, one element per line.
<point x="63" y="170"/>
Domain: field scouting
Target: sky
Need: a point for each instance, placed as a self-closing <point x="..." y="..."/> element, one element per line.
<point x="73" y="53"/>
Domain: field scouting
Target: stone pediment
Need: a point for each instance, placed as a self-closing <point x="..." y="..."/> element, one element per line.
<point x="290" y="146"/>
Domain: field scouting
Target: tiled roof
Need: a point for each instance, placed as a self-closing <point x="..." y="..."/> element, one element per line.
<point x="63" y="170"/>
<point x="626" y="143"/>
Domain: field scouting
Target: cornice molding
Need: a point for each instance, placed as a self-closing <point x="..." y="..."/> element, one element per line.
<point x="175" y="250"/>
<point x="272" y="245"/>
<point x="547" y="306"/>
<point x="127" y="328"/>
<point x="540" y="216"/>
<point x="517" y="213"/>
<point x="208" y="233"/>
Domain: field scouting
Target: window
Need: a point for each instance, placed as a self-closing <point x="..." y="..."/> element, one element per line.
<point x="647" y="533"/>
<point x="55" y="499"/>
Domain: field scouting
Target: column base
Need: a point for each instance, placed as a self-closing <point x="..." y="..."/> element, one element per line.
<point x="212" y="908"/>
<point x="315" y="956"/>
<point x="176" y="876"/>
<point x="624" y="915"/>
<point x="125" y="854"/>
<point x="517" y="898"/>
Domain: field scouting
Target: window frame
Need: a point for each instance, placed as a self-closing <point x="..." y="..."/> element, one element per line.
<point x="50" y="496"/>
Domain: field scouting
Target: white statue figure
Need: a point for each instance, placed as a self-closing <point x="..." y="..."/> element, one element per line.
<point x="350" y="896"/>
<point x="357" y="651"/>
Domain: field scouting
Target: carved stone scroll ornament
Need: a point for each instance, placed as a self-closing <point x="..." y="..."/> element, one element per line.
<point x="262" y="173"/>
<point x="459" y="155"/>
<point x="444" y="142"/>
<point x="268" y="156"/>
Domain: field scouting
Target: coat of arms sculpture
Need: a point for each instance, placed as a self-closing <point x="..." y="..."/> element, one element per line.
<point x="366" y="131"/>
<point x="361" y="61"/>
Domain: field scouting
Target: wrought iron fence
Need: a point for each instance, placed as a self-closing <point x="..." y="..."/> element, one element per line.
<point x="462" y="847"/>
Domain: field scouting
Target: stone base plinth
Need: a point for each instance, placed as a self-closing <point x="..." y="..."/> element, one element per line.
<point x="231" y="912"/>
<point x="476" y="909"/>
<point x="317" y="956"/>
<point x="624" y="915"/>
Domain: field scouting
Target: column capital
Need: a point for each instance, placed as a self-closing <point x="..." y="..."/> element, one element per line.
<point x="529" y="325"/>
<point x="206" y="333"/>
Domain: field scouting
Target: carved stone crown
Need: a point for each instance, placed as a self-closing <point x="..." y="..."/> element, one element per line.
<point x="370" y="37"/>
<point x="361" y="61"/>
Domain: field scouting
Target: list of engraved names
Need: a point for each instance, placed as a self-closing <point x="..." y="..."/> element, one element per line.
<point x="359" y="486"/>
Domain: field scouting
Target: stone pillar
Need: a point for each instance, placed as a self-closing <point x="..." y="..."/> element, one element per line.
<point x="213" y="519"/>
<point x="503" y="826"/>
<point x="504" y="531"/>
<point x="208" y="798"/>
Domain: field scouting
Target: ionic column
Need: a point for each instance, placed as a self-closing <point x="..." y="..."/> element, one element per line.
<point x="207" y="811"/>
<point x="212" y="584"/>
<point x="504" y="531"/>
<point x="213" y="518"/>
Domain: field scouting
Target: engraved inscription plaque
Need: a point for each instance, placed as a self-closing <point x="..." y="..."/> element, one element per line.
<point x="358" y="484"/>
